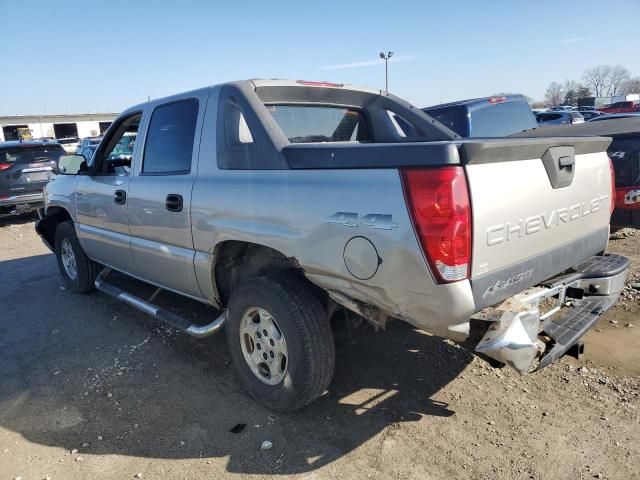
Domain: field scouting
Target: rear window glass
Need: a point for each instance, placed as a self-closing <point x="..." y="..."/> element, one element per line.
<point x="64" y="141"/>
<point x="502" y="119"/>
<point x="31" y="155"/>
<point x="312" y="124"/>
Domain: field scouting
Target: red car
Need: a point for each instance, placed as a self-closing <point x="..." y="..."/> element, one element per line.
<point x="622" y="107"/>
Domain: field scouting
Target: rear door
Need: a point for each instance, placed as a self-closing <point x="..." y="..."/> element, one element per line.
<point x="160" y="196"/>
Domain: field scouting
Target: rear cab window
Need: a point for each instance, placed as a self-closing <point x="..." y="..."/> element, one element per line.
<point x="314" y="123"/>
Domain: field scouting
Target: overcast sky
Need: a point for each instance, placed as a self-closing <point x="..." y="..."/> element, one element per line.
<point x="73" y="56"/>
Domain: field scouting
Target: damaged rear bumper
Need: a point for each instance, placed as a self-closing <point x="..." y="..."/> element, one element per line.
<point x="537" y="326"/>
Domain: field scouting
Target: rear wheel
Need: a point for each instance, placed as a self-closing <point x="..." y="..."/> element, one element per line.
<point x="78" y="271"/>
<point x="280" y="341"/>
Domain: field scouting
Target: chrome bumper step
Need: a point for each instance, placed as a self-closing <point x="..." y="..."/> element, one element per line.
<point x="520" y="332"/>
<point x="567" y="330"/>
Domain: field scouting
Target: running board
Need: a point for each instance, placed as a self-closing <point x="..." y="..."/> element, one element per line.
<point x="176" y="321"/>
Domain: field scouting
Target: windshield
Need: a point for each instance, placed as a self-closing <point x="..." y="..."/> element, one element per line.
<point x="502" y="119"/>
<point x="312" y="124"/>
<point x="31" y="155"/>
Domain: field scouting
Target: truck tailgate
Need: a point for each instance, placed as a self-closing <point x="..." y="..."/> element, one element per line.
<point x="540" y="206"/>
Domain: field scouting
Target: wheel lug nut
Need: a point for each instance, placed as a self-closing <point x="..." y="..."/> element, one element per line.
<point x="258" y="346"/>
<point x="258" y="335"/>
<point x="271" y="342"/>
<point x="264" y="355"/>
<point x="264" y="332"/>
<point x="271" y="353"/>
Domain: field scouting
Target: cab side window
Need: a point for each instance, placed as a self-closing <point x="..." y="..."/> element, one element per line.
<point x="115" y="158"/>
<point x="169" y="144"/>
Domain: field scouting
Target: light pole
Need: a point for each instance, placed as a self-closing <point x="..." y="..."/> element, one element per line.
<point x="386" y="69"/>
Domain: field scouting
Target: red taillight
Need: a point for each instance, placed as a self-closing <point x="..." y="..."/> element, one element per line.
<point x="613" y="188"/>
<point x="318" y="84"/>
<point x="5" y="166"/>
<point x="438" y="201"/>
<point x="497" y="99"/>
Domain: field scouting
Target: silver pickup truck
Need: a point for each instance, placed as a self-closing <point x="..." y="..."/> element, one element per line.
<point x="289" y="205"/>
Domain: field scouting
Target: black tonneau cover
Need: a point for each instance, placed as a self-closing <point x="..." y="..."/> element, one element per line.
<point x="416" y="154"/>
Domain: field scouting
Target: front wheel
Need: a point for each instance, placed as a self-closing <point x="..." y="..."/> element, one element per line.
<point x="280" y="341"/>
<point x="78" y="271"/>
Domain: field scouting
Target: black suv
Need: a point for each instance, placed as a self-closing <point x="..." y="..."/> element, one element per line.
<point x="25" y="168"/>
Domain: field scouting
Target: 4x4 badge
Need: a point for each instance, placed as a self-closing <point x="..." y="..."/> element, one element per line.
<point x="381" y="221"/>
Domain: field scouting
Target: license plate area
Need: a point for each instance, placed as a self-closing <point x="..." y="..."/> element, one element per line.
<point x="24" y="208"/>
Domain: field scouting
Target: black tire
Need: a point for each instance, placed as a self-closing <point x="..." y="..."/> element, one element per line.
<point x="87" y="269"/>
<point x="302" y="320"/>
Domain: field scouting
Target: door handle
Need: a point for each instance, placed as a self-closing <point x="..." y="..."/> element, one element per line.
<point x="120" y="197"/>
<point x="174" y="202"/>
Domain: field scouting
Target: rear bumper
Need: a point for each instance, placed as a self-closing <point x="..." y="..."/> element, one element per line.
<point x="523" y="332"/>
<point x="16" y="204"/>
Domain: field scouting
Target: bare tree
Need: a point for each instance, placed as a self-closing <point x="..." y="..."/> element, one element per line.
<point x="598" y="79"/>
<point x="631" y="86"/>
<point x="554" y="94"/>
<point x="571" y="85"/>
<point x="618" y="76"/>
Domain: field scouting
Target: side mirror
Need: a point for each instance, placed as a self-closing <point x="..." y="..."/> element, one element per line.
<point x="71" y="164"/>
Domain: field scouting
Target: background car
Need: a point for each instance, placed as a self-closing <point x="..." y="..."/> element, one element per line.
<point x="561" y="108"/>
<point x="69" y="144"/>
<point x="485" y="117"/>
<point x="87" y="152"/>
<point x="559" y="117"/>
<point x="622" y="107"/>
<point x="89" y="141"/>
<point x="25" y="168"/>
<point x="589" y="114"/>
<point x="615" y="116"/>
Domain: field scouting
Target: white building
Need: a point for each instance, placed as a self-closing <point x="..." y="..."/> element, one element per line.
<point x="56" y="126"/>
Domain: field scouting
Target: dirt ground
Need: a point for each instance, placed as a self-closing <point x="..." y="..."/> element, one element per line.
<point x="92" y="389"/>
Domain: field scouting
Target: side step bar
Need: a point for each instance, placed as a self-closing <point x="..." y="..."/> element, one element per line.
<point x="176" y="321"/>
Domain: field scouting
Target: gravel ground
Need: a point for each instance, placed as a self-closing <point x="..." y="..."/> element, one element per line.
<point x="90" y="388"/>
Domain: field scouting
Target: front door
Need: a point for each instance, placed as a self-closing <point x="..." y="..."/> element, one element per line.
<point x="160" y="198"/>
<point x="102" y="198"/>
